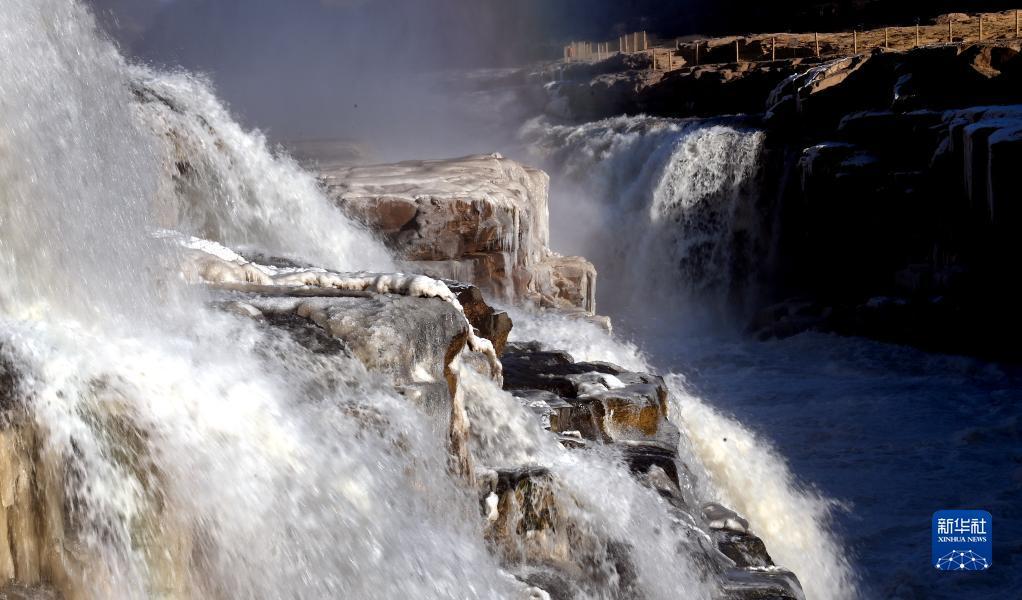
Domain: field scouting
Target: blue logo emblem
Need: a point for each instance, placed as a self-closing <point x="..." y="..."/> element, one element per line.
<point x="962" y="540"/>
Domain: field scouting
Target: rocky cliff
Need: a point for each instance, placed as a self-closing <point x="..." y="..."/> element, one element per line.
<point x="887" y="193"/>
<point x="484" y="219"/>
<point x="899" y="219"/>
<point x="435" y="343"/>
<point x="480" y="219"/>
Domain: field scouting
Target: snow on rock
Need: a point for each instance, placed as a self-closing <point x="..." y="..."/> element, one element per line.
<point x="988" y="142"/>
<point x="482" y="219"/>
<point x="209" y="262"/>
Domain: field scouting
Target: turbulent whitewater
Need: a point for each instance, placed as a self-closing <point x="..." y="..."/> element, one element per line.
<point x="663" y="207"/>
<point x="667" y="209"/>
<point x="193" y="453"/>
<point x="163" y="442"/>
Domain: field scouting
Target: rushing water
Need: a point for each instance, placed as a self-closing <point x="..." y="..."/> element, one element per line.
<point x="874" y="437"/>
<point x="182" y="452"/>
<point x="664" y="207"/>
<point x="187" y="452"/>
<point x="892" y="433"/>
<point x="198" y="455"/>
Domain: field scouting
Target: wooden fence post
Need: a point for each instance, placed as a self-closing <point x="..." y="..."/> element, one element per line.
<point x="887" y="37"/>
<point x="645" y="41"/>
<point x="773" y="48"/>
<point x="738" y="55"/>
<point x="917" y="35"/>
<point x="697" y="52"/>
<point x="981" y="28"/>
<point x="855" y="41"/>
<point x="816" y="38"/>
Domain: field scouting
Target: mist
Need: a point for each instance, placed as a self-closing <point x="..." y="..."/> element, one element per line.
<point x="370" y="70"/>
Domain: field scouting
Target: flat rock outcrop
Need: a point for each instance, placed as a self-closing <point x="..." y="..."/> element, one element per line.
<point x="480" y="219"/>
<point x="930" y="78"/>
<point x="618" y="86"/>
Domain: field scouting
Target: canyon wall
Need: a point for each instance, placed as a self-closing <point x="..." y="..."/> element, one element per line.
<point x="886" y="192"/>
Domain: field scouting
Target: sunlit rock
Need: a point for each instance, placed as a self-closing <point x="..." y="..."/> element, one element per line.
<point x="481" y="219"/>
<point x="605" y="402"/>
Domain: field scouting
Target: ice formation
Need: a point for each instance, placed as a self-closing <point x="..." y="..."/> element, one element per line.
<point x="166" y="449"/>
<point x="212" y="263"/>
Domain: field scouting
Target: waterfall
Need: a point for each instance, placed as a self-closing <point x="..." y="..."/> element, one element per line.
<point x="226" y="185"/>
<point x="665" y="208"/>
<point x="157" y="447"/>
<point x="180" y="452"/>
<point x="729" y="463"/>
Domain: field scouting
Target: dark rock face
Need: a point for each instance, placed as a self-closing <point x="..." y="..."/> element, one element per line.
<point x="930" y="78"/>
<point x="618" y="86"/>
<point x="888" y="196"/>
<point x="604" y="402"/>
<point x="898" y="221"/>
<point x="494" y="325"/>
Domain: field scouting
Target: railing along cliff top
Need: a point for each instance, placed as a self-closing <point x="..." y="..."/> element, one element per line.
<point x="953" y="28"/>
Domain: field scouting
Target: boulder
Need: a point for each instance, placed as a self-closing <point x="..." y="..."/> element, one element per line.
<point x="604" y="402"/>
<point x="761" y="584"/>
<point x="745" y="549"/>
<point x="480" y="219"/>
<point x="494" y="325"/>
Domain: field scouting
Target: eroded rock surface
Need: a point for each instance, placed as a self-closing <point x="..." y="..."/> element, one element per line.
<point x="480" y="219"/>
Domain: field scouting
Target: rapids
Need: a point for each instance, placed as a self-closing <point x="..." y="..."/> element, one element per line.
<point x="845" y="447"/>
<point x="183" y="452"/>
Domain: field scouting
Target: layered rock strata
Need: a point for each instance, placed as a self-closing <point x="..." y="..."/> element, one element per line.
<point x="886" y="200"/>
<point x="480" y="219"/>
<point x="899" y="218"/>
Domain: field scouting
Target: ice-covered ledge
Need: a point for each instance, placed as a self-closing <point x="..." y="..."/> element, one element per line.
<point x="481" y="219"/>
